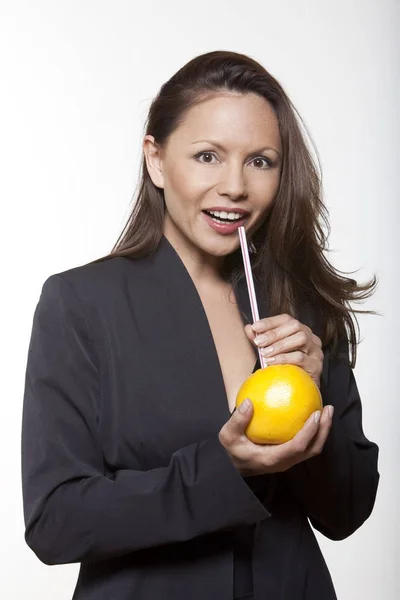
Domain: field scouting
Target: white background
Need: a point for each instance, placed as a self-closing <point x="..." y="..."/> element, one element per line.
<point x="77" y="78"/>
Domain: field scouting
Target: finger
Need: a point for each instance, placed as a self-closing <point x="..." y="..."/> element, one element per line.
<point x="238" y="422"/>
<point x="290" y="336"/>
<point x="316" y="340"/>
<point x="297" y="341"/>
<point x="323" y="432"/>
<point x="270" y="322"/>
<point x="291" y="358"/>
<point x="310" y="364"/>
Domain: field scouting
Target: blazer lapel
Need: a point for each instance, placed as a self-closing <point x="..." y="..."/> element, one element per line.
<point x="189" y="353"/>
<point x="196" y="351"/>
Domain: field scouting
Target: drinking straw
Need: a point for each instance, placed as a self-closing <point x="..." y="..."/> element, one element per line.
<point x="250" y="284"/>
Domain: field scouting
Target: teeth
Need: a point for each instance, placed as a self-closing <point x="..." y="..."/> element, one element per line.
<point x="230" y="216"/>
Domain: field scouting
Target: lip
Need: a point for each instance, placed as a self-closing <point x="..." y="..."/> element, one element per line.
<point x="224" y="228"/>
<point x="227" y="209"/>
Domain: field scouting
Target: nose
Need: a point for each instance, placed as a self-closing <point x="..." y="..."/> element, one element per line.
<point x="233" y="182"/>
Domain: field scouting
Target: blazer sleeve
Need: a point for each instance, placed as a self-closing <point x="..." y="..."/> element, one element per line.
<point x="337" y="489"/>
<point x="72" y="511"/>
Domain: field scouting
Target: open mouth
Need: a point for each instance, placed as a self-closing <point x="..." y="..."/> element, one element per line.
<point x="225" y="217"/>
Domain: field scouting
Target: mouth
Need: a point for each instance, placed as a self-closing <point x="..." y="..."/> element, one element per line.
<point x="225" y="222"/>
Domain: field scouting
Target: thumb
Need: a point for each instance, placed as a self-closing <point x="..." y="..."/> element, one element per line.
<point x="242" y="416"/>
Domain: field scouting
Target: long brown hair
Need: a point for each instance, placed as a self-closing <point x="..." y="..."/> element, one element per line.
<point x="289" y="259"/>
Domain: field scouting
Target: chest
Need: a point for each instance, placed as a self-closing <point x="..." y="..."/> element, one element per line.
<point x="236" y="354"/>
<point x="172" y="361"/>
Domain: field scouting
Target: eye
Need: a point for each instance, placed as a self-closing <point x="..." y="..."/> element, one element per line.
<point x="268" y="161"/>
<point x="204" y="153"/>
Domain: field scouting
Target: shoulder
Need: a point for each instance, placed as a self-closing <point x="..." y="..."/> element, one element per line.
<point x="96" y="273"/>
<point x="91" y="280"/>
<point x="83" y="292"/>
<point x="337" y="350"/>
<point x="107" y="287"/>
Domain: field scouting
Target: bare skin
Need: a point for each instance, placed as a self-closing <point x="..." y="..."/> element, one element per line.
<point x="234" y="349"/>
<point x="243" y="173"/>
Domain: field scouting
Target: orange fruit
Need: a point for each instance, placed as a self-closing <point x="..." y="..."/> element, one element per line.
<point x="283" y="397"/>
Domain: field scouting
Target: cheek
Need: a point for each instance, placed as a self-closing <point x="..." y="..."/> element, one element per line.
<point x="185" y="188"/>
<point x="265" y="192"/>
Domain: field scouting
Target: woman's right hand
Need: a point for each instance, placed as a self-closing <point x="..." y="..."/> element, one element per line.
<point x="258" y="459"/>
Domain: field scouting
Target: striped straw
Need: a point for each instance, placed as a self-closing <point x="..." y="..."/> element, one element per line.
<point x="250" y="284"/>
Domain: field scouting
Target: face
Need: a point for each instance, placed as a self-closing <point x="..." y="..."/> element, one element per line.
<point x="225" y="156"/>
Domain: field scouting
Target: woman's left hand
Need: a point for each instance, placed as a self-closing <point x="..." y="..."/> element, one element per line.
<point x="284" y="340"/>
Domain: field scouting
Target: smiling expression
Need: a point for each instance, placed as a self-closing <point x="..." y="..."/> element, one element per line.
<point x="226" y="154"/>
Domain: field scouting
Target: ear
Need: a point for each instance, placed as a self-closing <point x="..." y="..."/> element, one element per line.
<point x="153" y="157"/>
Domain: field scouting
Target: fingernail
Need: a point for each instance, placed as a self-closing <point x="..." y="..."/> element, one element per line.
<point x="317" y="416"/>
<point x="244" y="406"/>
<point x="258" y="326"/>
<point x="331" y="410"/>
<point x="266" y="351"/>
<point x="260" y="339"/>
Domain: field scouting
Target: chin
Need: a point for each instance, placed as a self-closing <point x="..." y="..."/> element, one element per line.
<point x="220" y="247"/>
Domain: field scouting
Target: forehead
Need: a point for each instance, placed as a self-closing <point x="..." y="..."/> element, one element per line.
<point x="235" y="120"/>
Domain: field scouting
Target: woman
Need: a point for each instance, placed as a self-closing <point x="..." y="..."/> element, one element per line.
<point x="135" y="463"/>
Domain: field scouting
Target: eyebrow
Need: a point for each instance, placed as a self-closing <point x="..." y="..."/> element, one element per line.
<point x="217" y="145"/>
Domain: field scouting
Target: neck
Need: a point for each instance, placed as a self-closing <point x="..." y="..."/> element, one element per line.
<point x="203" y="268"/>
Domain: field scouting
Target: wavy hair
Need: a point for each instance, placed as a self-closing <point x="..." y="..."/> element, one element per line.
<point x="290" y="246"/>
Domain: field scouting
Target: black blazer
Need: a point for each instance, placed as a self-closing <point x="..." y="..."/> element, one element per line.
<point x="122" y="466"/>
